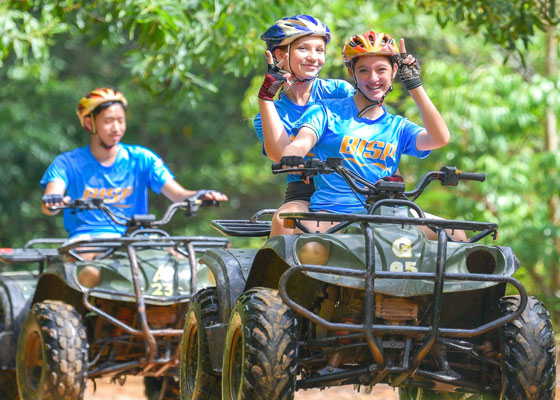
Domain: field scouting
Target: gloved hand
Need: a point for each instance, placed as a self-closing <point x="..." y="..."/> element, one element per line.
<point x="292" y="161"/>
<point x="409" y="71"/>
<point x="52" y="199"/>
<point x="273" y="81"/>
<point x="202" y="194"/>
<point x="393" y="178"/>
<point x="408" y="67"/>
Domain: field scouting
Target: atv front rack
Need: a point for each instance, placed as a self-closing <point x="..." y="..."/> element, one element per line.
<point x="343" y="220"/>
<point x="193" y="244"/>
<point x="368" y="328"/>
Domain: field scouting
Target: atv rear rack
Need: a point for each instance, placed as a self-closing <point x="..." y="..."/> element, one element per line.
<point x="251" y="227"/>
<point x="31" y="254"/>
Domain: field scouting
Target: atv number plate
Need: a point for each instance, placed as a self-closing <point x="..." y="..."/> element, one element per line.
<point x="162" y="283"/>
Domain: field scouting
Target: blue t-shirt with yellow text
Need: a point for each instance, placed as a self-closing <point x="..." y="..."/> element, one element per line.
<point x="370" y="148"/>
<point x="123" y="185"/>
<point x="290" y="112"/>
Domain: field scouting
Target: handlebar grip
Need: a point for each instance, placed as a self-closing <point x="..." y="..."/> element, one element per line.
<point x="276" y="166"/>
<point x="472" y="176"/>
<point x="210" y="203"/>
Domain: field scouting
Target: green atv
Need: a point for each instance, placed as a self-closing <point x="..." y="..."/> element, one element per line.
<point x="99" y="307"/>
<point x="370" y="301"/>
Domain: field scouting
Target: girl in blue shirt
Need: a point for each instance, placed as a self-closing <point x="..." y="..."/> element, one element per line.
<point x="297" y="44"/>
<point x="360" y="130"/>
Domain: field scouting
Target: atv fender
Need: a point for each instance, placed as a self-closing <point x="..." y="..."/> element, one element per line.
<point x="512" y="263"/>
<point x="271" y="261"/>
<point x="13" y="307"/>
<point x="230" y="268"/>
<point x="56" y="287"/>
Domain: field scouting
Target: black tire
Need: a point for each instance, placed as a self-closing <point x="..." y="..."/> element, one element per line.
<point x="260" y="356"/>
<point x="527" y="345"/>
<point x="52" y="355"/>
<point x="153" y="387"/>
<point x="197" y="379"/>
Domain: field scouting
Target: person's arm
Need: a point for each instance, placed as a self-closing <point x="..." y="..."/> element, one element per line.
<point x="304" y="141"/>
<point x="274" y="133"/>
<point x="275" y="136"/>
<point x="175" y="192"/>
<point x="53" y="196"/>
<point x="436" y="133"/>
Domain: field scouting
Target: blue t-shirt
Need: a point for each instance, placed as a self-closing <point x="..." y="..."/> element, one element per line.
<point x="290" y="112"/>
<point x="123" y="186"/>
<point x="370" y="148"/>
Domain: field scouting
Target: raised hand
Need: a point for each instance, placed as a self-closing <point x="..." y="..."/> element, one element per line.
<point x="409" y="67"/>
<point x="275" y="78"/>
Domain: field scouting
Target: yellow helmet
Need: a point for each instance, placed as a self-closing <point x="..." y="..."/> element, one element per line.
<point x="95" y="98"/>
<point x="368" y="44"/>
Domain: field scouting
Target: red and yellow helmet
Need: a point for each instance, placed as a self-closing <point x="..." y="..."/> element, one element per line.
<point x="95" y="98"/>
<point x="368" y="44"/>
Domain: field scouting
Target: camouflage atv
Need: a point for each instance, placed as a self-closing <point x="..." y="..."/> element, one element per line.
<point x="370" y="301"/>
<point x="119" y="314"/>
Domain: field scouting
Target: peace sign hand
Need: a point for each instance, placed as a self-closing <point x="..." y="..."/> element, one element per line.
<point x="409" y="67"/>
<point x="275" y="78"/>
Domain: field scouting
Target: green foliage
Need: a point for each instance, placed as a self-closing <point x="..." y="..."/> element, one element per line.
<point x="501" y="21"/>
<point x="26" y="35"/>
<point x="173" y="47"/>
<point x="191" y="70"/>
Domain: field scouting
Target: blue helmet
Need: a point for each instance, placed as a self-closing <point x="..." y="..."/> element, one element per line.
<point x="288" y="29"/>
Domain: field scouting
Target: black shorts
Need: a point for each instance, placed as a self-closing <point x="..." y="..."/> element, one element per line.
<point x="299" y="191"/>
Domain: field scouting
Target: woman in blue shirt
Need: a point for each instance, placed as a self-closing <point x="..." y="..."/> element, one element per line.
<point x="360" y="130"/>
<point x="296" y="49"/>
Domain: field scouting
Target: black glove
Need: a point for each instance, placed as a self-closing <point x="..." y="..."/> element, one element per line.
<point x="273" y="81"/>
<point x="291" y="161"/>
<point x="409" y="73"/>
<point x="51" y="199"/>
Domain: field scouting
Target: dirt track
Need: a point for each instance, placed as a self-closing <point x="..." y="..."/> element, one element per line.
<point x="134" y="390"/>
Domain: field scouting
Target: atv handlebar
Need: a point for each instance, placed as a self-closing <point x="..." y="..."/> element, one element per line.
<point x="448" y="176"/>
<point x="472" y="176"/>
<point x="189" y="206"/>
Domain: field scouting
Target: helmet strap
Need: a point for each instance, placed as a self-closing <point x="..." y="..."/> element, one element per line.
<point x="93" y="127"/>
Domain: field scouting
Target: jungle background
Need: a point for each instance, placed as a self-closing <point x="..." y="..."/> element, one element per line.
<point x="191" y="70"/>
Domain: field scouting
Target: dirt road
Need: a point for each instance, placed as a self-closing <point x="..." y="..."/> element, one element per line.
<point x="134" y="390"/>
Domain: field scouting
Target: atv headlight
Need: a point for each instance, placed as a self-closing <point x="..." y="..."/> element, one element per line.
<point x="89" y="276"/>
<point x="313" y="252"/>
<point x="481" y="262"/>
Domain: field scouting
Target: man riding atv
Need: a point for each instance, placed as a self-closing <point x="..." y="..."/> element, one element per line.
<point x="111" y="299"/>
<point x="107" y="169"/>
